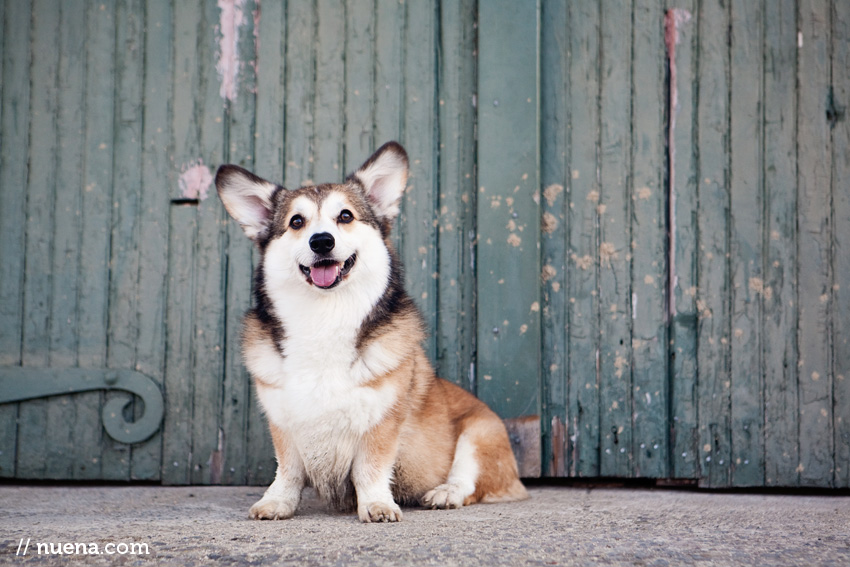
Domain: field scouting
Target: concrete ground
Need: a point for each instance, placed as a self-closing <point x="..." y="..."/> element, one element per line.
<point x="558" y="526"/>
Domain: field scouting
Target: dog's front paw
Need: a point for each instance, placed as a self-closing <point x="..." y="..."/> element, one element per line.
<point x="272" y="509"/>
<point x="379" y="512"/>
<point x="444" y="496"/>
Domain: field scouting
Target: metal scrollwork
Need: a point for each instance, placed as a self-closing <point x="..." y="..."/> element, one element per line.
<point x="18" y="384"/>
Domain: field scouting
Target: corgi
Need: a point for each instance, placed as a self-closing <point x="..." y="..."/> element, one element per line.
<point x="333" y="345"/>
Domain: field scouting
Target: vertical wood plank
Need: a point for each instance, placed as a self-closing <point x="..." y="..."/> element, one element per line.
<point x="359" y="83"/>
<point x="41" y="192"/>
<point x="126" y="215"/>
<point x="583" y="314"/>
<point x="712" y="294"/>
<point x="509" y="208"/>
<point x="300" y="86"/>
<point x="185" y="129"/>
<point x="555" y="88"/>
<point x="209" y="290"/>
<point x="651" y="418"/>
<point x="66" y="443"/>
<point x="15" y="126"/>
<point x="329" y="123"/>
<point x="841" y="242"/>
<point x="96" y="216"/>
<point x="389" y="80"/>
<point x="418" y="219"/>
<point x="779" y="314"/>
<point x="258" y="464"/>
<point x="614" y="208"/>
<point x="455" y="330"/>
<point x="269" y="100"/>
<point x="746" y="231"/>
<point x="154" y="202"/>
<point x="179" y="357"/>
<point x="814" y="243"/>
<point x="683" y="208"/>
<point x="236" y="396"/>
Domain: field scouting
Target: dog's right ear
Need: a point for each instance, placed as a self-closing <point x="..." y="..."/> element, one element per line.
<point x="247" y="198"/>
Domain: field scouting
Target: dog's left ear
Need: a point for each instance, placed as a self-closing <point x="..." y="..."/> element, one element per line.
<point x="384" y="177"/>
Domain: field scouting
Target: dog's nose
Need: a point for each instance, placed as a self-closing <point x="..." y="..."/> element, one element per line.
<point x="322" y="243"/>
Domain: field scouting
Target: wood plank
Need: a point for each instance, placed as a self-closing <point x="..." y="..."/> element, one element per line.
<point x="712" y="293"/>
<point x="583" y="315"/>
<point x="359" y="97"/>
<point x="300" y="88"/>
<point x="153" y="242"/>
<point x="746" y="232"/>
<point x="96" y="217"/>
<point x="389" y="80"/>
<point x="509" y="208"/>
<point x="68" y="443"/>
<point x="41" y="193"/>
<point x="329" y="121"/>
<point x="841" y="243"/>
<point x="779" y="314"/>
<point x="683" y="276"/>
<point x="236" y="393"/>
<point x="177" y="422"/>
<point x="269" y="99"/>
<point x="455" y="330"/>
<point x="650" y="405"/>
<point x="185" y="129"/>
<point x="615" y="210"/>
<point x="14" y="150"/>
<point x="259" y="464"/>
<point x="555" y="88"/>
<point x="814" y="243"/>
<point x="126" y="214"/>
<point x="418" y="220"/>
<point x="210" y="286"/>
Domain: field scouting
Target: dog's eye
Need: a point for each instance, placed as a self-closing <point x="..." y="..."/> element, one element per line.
<point x="345" y="216"/>
<point x="296" y="222"/>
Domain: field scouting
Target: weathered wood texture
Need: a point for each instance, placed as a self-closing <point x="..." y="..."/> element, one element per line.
<point x="727" y="127"/>
<point x="627" y="218"/>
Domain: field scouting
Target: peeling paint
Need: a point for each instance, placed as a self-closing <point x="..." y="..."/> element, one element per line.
<point x="228" y="63"/>
<point x="585" y="262"/>
<point x="548" y="272"/>
<point x="549" y="223"/>
<point x="552" y="192"/>
<point x="607" y="252"/>
<point x="195" y="180"/>
<point x="514" y="240"/>
<point x="673" y="19"/>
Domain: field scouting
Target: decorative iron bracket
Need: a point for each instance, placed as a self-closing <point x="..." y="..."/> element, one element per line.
<point x="18" y="384"/>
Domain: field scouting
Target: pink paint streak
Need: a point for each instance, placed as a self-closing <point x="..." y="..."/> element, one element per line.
<point x="228" y="63"/>
<point x="195" y="181"/>
<point x="673" y="19"/>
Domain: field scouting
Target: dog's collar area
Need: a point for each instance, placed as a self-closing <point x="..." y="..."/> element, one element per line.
<point x="326" y="274"/>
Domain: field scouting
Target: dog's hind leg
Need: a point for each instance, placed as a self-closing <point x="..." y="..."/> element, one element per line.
<point x="462" y="477"/>
<point x="284" y="494"/>
<point x="483" y="469"/>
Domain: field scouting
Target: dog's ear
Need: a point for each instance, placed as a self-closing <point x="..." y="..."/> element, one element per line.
<point x="247" y="198"/>
<point x="384" y="177"/>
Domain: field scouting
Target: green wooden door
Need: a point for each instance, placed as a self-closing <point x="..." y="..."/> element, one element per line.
<point x="626" y="224"/>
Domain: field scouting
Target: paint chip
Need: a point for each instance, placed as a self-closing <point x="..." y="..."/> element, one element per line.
<point x="195" y="180"/>
<point x="552" y="192"/>
<point x="548" y="272"/>
<point x="644" y="193"/>
<point x="549" y="223"/>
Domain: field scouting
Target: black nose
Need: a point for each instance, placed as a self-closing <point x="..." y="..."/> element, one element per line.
<point x="322" y="243"/>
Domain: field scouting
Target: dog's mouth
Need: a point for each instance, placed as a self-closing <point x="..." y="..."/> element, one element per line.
<point x="328" y="273"/>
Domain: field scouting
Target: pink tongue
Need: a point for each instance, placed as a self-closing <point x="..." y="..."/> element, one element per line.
<point x="323" y="276"/>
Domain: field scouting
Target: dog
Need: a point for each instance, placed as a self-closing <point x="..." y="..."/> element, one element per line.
<point x="333" y="345"/>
